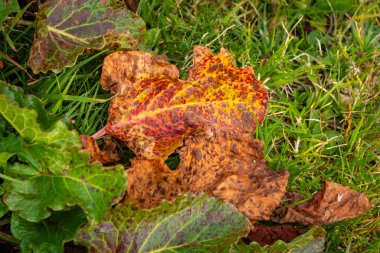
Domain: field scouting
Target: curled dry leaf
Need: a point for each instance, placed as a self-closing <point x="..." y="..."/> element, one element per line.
<point x="333" y="203"/>
<point x="132" y="4"/>
<point x="311" y="242"/>
<point x="108" y="155"/>
<point x="267" y="235"/>
<point x="154" y="110"/>
<point x="226" y="166"/>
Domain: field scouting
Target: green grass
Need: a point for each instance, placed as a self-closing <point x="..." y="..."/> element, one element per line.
<point x="321" y="67"/>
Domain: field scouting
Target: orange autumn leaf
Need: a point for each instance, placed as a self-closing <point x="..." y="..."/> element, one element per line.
<point x="225" y="165"/>
<point x="153" y="110"/>
<point x="333" y="203"/>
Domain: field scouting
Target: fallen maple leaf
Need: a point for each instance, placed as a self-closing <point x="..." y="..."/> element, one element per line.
<point x="333" y="203"/>
<point x="226" y="166"/>
<point x="215" y="111"/>
<point x="108" y="155"/>
<point x="154" y="111"/>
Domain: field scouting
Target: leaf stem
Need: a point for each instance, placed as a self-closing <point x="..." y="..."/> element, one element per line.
<point x="100" y="133"/>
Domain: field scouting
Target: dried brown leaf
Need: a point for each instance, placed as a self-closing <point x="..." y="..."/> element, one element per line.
<point x="150" y="182"/>
<point x="232" y="168"/>
<point x="333" y="203"/>
<point x="109" y="153"/>
<point x="132" y="4"/>
<point x="226" y="166"/>
<point x="267" y="235"/>
<point x="124" y="71"/>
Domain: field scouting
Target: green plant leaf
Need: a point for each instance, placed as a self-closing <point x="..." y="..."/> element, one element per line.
<point x="66" y="28"/>
<point x="90" y="186"/>
<point x="196" y="224"/>
<point x="311" y="242"/>
<point x="24" y="121"/>
<point x="41" y="147"/>
<point x="49" y="171"/>
<point x="18" y="98"/>
<point x="6" y="8"/>
<point x="48" y="235"/>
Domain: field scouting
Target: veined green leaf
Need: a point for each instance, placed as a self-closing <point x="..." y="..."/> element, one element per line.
<point x="66" y="28"/>
<point x="47" y="236"/>
<point x="190" y="224"/>
<point x="49" y="171"/>
<point x="24" y="121"/>
<point x="17" y="97"/>
<point x="90" y="186"/>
